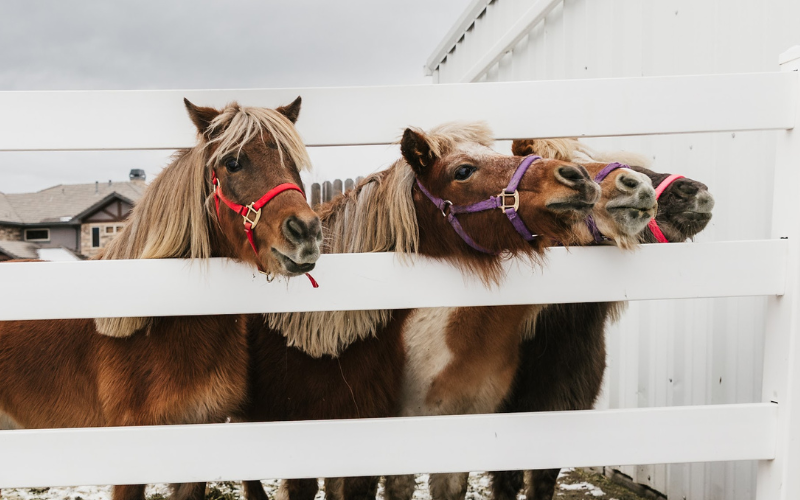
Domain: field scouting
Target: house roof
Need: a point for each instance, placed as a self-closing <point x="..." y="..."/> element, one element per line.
<point x="19" y="249"/>
<point x="65" y="200"/>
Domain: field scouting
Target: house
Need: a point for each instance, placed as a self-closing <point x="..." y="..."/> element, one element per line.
<point x="78" y="218"/>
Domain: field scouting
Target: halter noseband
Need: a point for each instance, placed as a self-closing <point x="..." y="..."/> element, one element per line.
<point x="252" y="213"/>
<point x="499" y="201"/>
<point x="601" y="175"/>
<point x="653" y="225"/>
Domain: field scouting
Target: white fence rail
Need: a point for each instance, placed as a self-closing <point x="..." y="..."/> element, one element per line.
<point x="192" y="453"/>
<point x="131" y="120"/>
<point x="382" y="281"/>
<point x="377" y="115"/>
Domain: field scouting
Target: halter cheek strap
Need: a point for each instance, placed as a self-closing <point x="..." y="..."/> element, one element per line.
<point x="601" y="175"/>
<point x="653" y="225"/>
<point x="507" y="201"/>
<point x="252" y="213"/>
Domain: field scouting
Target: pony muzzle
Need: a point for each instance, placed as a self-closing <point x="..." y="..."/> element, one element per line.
<point x="303" y="236"/>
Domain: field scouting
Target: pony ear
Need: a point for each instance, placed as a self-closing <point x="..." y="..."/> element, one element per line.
<point x="201" y="117"/>
<point x="522" y="147"/>
<point x="417" y="151"/>
<point x="291" y="111"/>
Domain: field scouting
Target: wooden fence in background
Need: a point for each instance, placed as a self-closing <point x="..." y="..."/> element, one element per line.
<point x="328" y="190"/>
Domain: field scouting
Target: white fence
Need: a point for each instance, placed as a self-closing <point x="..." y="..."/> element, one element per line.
<point x="766" y="431"/>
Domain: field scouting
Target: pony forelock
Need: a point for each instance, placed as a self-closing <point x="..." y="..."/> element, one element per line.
<point x="237" y="125"/>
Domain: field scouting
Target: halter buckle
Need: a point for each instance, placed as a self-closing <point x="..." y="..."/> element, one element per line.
<point x="445" y="205"/>
<point x="502" y="198"/>
<point x="252" y="220"/>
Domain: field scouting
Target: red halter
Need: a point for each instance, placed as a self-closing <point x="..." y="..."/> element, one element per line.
<point x="653" y="225"/>
<point x="252" y="213"/>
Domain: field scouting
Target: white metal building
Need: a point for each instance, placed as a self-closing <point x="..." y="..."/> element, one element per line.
<point x="663" y="353"/>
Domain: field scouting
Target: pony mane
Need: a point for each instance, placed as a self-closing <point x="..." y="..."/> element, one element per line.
<point x="377" y="216"/>
<point x="184" y="187"/>
<point x="571" y="149"/>
<point x="446" y="137"/>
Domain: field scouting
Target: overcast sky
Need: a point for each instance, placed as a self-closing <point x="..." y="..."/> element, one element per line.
<point x="198" y="44"/>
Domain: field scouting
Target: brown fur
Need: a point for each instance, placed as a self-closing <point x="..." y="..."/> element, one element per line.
<point x="63" y="373"/>
<point x="563" y="356"/>
<point x="361" y="375"/>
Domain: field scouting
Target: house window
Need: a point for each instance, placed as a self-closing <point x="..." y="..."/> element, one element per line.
<point x="119" y="229"/>
<point x="95" y="237"/>
<point x="37" y="235"/>
<point x="109" y="229"/>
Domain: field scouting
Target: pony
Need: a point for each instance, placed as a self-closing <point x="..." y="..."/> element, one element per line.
<point x="563" y="354"/>
<point x="465" y="365"/>
<point x="350" y="364"/>
<point x="173" y="370"/>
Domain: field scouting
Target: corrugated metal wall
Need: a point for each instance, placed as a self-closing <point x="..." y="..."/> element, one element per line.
<point x="679" y="352"/>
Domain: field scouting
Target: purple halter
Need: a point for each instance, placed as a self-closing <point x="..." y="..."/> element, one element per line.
<point x="590" y="223"/>
<point x="498" y="201"/>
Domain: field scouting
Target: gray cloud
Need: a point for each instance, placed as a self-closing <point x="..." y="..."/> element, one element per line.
<point x="215" y="44"/>
<point x="152" y="44"/>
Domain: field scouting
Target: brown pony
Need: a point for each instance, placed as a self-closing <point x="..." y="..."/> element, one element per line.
<point x="349" y="364"/>
<point x="461" y="359"/>
<point x="171" y="370"/>
<point x="563" y="354"/>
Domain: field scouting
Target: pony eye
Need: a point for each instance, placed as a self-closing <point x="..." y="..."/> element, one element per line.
<point x="464" y="172"/>
<point x="233" y="165"/>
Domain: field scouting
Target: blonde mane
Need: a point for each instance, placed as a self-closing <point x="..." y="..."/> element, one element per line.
<point x="377" y="216"/>
<point x="575" y="151"/>
<point x="184" y="187"/>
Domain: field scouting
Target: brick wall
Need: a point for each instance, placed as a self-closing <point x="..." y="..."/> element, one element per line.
<point x="105" y="237"/>
<point x="10" y="233"/>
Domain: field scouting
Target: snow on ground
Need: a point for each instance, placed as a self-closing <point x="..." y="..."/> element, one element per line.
<point x="589" y="487"/>
<point x="479" y="489"/>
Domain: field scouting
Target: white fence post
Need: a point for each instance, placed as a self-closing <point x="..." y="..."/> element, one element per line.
<point x="780" y="478"/>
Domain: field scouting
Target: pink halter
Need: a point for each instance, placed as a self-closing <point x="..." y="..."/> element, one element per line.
<point x="653" y="225"/>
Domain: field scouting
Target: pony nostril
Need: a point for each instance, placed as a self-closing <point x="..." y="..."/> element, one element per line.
<point x="628" y="181"/>
<point x="294" y="229"/>
<point x="571" y="173"/>
<point x="687" y="188"/>
<point x="705" y="201"/>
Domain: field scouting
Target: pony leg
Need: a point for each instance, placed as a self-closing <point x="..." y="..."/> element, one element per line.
<point x="507" y="484"/>
<point x="254" y="490"/>
<point x="298" y="489"/>
<point x="399" y="487"/>
<point x="448" y="486"/>
<point x="128" y="492"/>
<point x="188" y="491"/>
<point x="333" y="488"/>
<point x="542" y="485"/>
<point x="359" y="488"/>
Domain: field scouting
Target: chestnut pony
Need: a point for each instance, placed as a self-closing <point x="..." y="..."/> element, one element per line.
<point x="349" y="364"/>
<point x="563" y="354"/>
<point x="172" y="370"/>
<point x="466" y="363"/>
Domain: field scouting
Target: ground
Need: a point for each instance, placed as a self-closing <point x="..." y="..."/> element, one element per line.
<point x="573" y="484"/>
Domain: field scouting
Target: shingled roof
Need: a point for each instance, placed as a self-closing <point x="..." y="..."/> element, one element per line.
<point x="57" y="203"/>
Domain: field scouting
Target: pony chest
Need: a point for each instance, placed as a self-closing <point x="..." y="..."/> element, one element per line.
<point x="459" y="360"/>
<point x="427" y="356"/>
